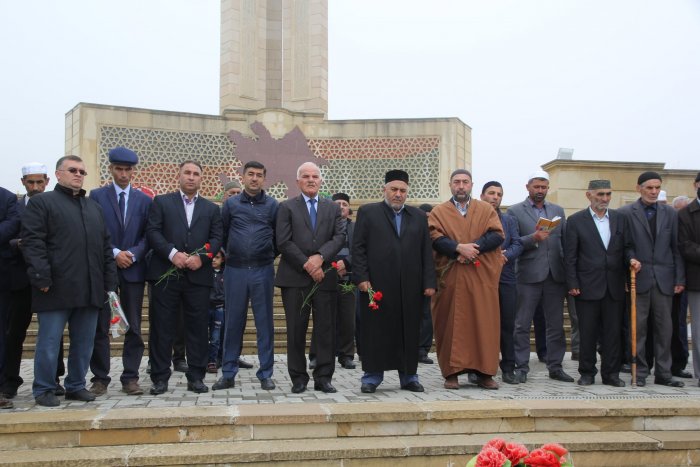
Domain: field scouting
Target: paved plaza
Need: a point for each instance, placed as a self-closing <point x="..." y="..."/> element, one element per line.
<point x="347" y="382"/>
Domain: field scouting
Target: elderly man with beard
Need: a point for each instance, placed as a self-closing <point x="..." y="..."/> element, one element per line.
<point x="466" y="234"/>
<point x="392" y="255"/>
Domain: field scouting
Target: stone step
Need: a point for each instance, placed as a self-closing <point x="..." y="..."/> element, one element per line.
<point x="597" y="432"/>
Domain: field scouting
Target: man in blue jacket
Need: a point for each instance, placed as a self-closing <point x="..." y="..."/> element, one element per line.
<point x="249" y="237"/>
<point x="126" y="213"/>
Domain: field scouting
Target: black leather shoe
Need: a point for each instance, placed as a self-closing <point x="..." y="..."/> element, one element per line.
<point x="521" y="375"/>
<point x="197" y="386"/>
<point x="347" y="363"/>
<point x="425" y="359"/>
<point x="682" y="374"/>
<point x="243" y="364"/>
<point x="560" y="375"/>
<point x="368" y="388"/>
<point x="413" y="386"/>
<point x="641" y="382"/>
<point x="80" y="395"/>
<point x="312" y="363"/>
<point x="509" y="377"/>
<point x="59" y="391"/>
<point x="47" y="399"/>
<point x="615" y="382"/>
<point x="10" y="392"/>
<point x="223" y="383"/>
<point x="669" y="382"/>
<point x="324" y="386"/>
<point x="586" y="380"/>
<point x="180" y="366"/>
<point x="159" y="387"/>
<point x="267" y="384"/>
<point x="298" y="388"/>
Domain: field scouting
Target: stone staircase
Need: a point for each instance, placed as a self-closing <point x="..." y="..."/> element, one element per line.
<point x="598" y="433"/>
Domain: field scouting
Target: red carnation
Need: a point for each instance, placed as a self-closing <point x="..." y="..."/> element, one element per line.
<point x="377" y="296"/>
<point x="334" y="265"/>
<point x="115" y="320"/>
<point x="477" y="263"/>
<point x="498" y="443"/>
<point x="542" y="458"/>
<point x="490" y="457"/>
<point x="207" y="246"/>
<point x="210" y="255"/>
<point x="557" y="449"/>
<point x="515" y="452"/>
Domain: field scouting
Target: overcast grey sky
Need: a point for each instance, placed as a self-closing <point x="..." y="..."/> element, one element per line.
<point x="615" y="80"/>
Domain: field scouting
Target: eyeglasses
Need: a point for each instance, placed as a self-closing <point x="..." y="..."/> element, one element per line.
<point x="74" y="171"/>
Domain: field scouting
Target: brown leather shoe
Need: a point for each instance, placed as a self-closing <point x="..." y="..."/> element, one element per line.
<point x="451" y="382"/>
<point x="98" y="388"/>
<point x="132" y="388"/>
<point x="486" y="382"/>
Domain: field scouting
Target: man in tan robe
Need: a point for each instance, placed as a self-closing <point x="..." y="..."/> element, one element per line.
<point x="466" y="234"/>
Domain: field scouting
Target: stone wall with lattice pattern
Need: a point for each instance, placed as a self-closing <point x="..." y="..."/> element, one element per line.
<point x="356" y="165"/>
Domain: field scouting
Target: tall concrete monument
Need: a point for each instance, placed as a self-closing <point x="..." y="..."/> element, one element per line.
<point x="273" y="103"/>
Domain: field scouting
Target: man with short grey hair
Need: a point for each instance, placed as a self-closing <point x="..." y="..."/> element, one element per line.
<point x="541" y="277"/>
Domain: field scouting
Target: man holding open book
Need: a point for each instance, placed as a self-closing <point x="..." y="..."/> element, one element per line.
<point x="541" y="277"/>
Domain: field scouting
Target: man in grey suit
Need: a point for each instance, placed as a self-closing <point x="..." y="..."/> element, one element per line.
<point x="310" y="231"/>
<point x="541" y="278"/>
<point x="654" y="230"/>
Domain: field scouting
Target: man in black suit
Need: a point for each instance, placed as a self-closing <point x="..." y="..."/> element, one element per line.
<point x="126" y="211"/>
<point x="654" y="230"/>
<point x="310" y="231"/>
<point x="9" y="226"/>
<point x="596" y="253"/>
<point x="183" y="229"/>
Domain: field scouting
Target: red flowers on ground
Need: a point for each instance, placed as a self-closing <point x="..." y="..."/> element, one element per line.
<point x="499" y="453"/>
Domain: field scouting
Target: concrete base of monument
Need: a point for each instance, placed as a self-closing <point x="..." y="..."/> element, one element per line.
<point x="600" y="425"/>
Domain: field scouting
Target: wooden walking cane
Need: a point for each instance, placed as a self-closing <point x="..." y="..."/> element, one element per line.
<point x="633" y="323"/>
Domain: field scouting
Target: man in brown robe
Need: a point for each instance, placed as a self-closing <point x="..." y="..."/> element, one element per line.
<point x="466" y="234"/>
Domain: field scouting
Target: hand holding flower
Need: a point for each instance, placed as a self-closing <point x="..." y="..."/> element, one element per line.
<point x="180" y="260"/>
<point x="193" y="262"/>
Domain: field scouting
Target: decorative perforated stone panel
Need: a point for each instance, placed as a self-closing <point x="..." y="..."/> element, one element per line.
<point x="356" y="165"/>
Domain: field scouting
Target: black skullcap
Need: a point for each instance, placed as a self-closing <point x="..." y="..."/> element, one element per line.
<point x="646" y="176"/>
<point x="396" y="175"/>
<point x="490" y="184"/>
<point x="599" y="184"/>
<point x="342" y="196"/>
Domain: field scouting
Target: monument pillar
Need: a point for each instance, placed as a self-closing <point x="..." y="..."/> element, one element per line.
<point x="274" y="55"/>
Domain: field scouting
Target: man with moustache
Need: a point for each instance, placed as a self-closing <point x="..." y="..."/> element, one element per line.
<point x="180" y="225"/>
<point x="511" y="248"/>
<point x="309" y="232"/>
<point x="125" y="211"/>
<point x="9" y="225"/>
<point x="392" y="254"/>
<point x="35" y="180"/>
<point x="653" y="227"/>
<point x="249" y="236"/>
<point x="689" y="245"/>
<point x="541" y="278"/>
<point x="70" y="265"/>
<point x="466" y="234"/>
<point x="597" y="252"/>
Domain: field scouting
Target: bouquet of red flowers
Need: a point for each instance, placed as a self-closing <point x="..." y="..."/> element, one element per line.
<point x="499" y="453"/>
<point x="173" y="271"/>
<point x="118" y="324"/>
<point x="374" y="297"/>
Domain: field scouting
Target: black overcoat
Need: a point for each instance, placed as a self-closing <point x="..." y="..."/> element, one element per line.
<point x="401" y="267"/>
<point x="67" y="248"/>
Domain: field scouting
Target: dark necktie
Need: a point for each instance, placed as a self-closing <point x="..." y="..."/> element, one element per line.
<point x="312" y="212"/>
<point x="122" y="205"/>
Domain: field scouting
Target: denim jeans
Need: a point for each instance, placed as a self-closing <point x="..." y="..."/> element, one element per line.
<point x="216" y="317"/>
<point x="254" y="285"/>
<point x="82" y="323"/>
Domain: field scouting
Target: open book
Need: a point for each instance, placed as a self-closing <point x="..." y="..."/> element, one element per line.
<point x="546" y="224"/>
